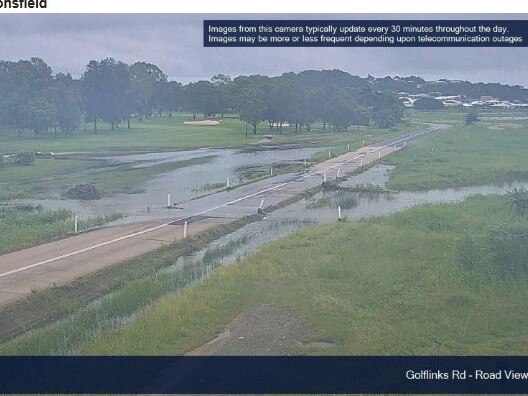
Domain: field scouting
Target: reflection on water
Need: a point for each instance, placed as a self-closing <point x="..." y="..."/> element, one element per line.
<point x="183" y="184"/>
<point x="288" y="220"/>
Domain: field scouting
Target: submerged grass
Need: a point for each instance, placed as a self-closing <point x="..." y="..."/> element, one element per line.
<point x="119" y="308"/>
<point x="381" y="286"/>
<point x="27" y="225"/>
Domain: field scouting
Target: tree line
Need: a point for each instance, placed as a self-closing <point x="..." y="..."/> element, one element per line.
<point x="33" y="98"/>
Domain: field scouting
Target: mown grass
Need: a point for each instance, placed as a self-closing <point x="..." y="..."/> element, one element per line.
<point x="389" y="285"/>
<point x="51" y="177"/>
<point x="26" y="225"/>
<point x="456" y="115"/>
<point x="164" y="134"/>
<point x="487" y="153"/>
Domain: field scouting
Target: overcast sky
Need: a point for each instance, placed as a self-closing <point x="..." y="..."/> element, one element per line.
<point x="174" y="43"/>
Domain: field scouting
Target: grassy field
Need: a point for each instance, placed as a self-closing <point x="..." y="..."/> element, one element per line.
<point x="455" y="115"/>
<point x="491" y="152"/>
<point x="49" y="177"/>
<point x="389" y="285"/>
<point x="164" y="134"/>
<point x="27" y="225"/>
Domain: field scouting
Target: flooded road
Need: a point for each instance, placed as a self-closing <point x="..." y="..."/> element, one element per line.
<point x="182" y="184"/>
<point x="288" y="220"/>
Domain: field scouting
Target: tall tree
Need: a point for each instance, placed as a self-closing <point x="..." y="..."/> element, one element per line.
<point x="105" y="86"/>
<point x="146" y="84"/>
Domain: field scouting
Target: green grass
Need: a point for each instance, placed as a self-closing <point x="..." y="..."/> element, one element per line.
<point x="26" y="225"/>
<point x="164" y="134"/>
<point x="109" y="313"/>
<point x="389" y="285"/>
<point x="54" y="176"/>
<point x="491" y="152"/>
<point x="126" y="178"/>
<point x="455" y="115"/>
<point x="42" y="168"/>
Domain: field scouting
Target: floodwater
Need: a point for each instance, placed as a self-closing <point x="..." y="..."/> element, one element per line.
<point x="503" y="118"/>
<point x="182" y="184"/>
<point x="279" y="224"/>
<point x="286" y="221"/>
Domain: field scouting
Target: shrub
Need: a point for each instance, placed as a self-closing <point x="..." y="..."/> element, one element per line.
<point x="85" y="192"/>
<point x="25" y="158"/>
<point x="508" y="245"/>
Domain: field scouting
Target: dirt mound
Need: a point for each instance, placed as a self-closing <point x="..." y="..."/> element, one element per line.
<point x="84" y="192"/>
<point x="203" y="122"/>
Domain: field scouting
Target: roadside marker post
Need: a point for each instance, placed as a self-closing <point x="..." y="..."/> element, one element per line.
<point x="329" y="154"/>
<point x="361" y="162"/>
<point x="227" y="183"/>
<point x="339" y="213"/>
<point x="185" y="230"/>
<point x="348" y="147"/>
<point x="338" y="173"/>
<point x="363" y="142"/>
<point x="168" y="201"/>
<point x="305" y="162"/>
<point x="324" y="177"/>
<point x="76" y="224"/>
<point x="261" y="206"/>
<point x="404" y="143"/>
<point x="394" y="148"/>
<point x="271" y="171"/>
<point x="379" y="154"/>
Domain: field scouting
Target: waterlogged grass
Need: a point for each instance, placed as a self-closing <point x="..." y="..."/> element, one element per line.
<point x="128" y="179"/>
<point x="26" y="225"/>
<point x="488" y="153"/>
<point x="50" y="177"/>
<point x="390" y="285"/>
<point x="43" y="168"/>
<point x="119" y="308"/>
<point x="343" y="198"/>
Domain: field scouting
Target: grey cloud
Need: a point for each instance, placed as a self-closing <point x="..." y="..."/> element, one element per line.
<point x="174" y="42"/>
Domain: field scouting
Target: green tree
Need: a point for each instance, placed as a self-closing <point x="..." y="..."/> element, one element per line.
<point x="146" y="85"/>
<point x="428" y="104"/>
<point x="519" y="201"/>
<point x="25" y="158"/>
<point x="65" y="98"/>
<point x="471" y="117"/>
<point x="252" y="109"/>
<point x="105" y="90"/>
<point x="39" y="115"/>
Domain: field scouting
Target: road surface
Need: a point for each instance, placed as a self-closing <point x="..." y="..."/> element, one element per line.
<point x="64" y="260"/>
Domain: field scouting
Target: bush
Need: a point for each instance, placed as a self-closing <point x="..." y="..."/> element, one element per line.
<point x="1" y="160"/>
<point x="503" y="249"/>
<point x="25" y="158"/>
<point x="85" y="192"/>
<point x="508" y="246"/>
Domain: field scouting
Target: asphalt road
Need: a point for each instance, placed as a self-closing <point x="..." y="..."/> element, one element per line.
<point x="62" y="261"/>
